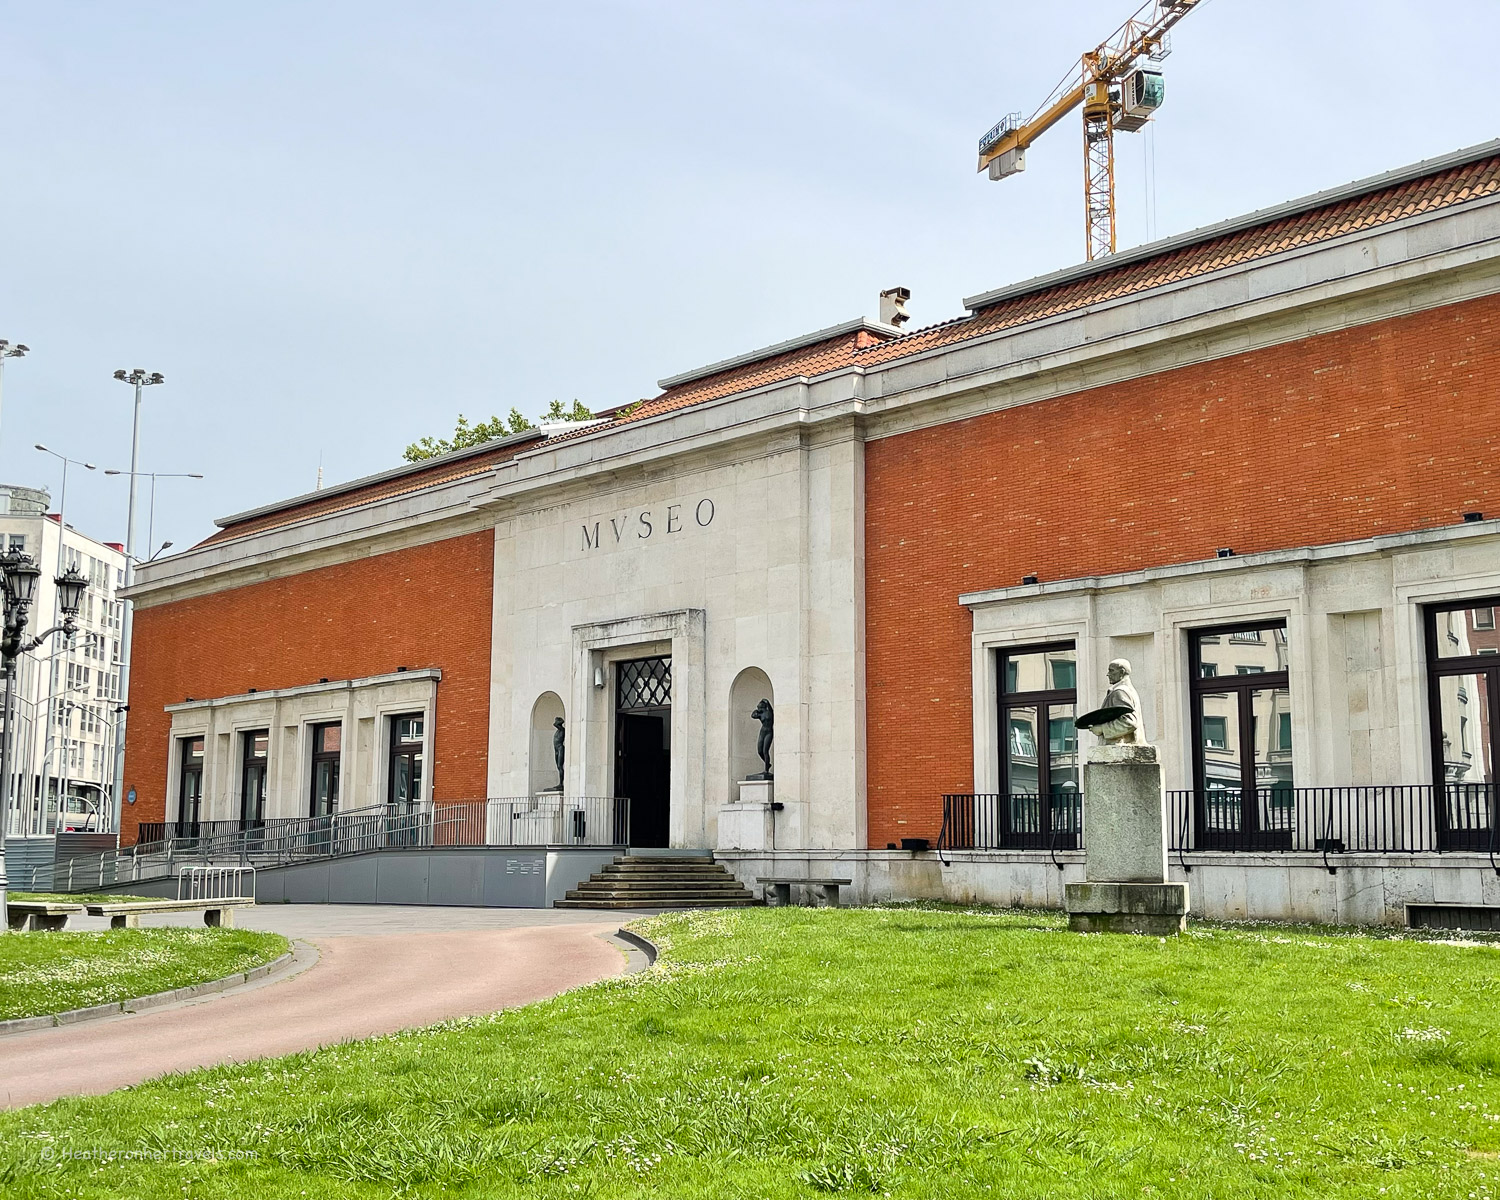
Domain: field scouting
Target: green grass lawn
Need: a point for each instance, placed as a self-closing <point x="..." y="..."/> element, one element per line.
<point x="908" y="1052"/>
<point x="52" y="972"/>
<point x="80" y="897"/>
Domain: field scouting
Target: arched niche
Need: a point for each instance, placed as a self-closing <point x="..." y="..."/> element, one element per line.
<point x="750" y="687"/>
<point x="542" y="762"/>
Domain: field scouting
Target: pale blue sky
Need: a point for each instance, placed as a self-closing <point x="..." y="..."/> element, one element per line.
<point x="334" y="226"/>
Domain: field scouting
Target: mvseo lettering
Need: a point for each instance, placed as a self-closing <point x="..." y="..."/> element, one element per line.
<point x="642" y="525"/>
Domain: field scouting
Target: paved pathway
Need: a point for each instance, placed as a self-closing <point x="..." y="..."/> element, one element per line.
<point x="375" y="969"/>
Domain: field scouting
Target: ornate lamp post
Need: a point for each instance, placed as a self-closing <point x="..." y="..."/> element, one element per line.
<point x="19" y="588"/>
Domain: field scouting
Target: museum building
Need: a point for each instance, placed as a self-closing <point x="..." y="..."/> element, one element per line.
<point x="1257" y="460"/>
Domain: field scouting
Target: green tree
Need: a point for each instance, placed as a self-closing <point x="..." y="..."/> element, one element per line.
<point x="465" y="435"/>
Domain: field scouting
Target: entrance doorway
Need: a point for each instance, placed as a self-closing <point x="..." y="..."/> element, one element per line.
<point x="643" y="747"/>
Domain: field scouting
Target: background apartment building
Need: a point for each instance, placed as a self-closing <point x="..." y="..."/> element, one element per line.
<point x="67" y="691"/>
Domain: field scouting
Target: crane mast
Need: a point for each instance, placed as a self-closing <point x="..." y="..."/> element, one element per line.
<point x="1117" y="86"/>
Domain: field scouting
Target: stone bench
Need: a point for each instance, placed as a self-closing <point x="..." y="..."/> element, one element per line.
<point x="778" y="890"/>
<point x="127" y="914"/>
<point x="40" y="914"/>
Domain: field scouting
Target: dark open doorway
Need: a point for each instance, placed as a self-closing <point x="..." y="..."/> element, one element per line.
<point x="643" y="747"/>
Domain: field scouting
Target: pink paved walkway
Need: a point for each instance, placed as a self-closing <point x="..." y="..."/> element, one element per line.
<point x="361" y="986"/>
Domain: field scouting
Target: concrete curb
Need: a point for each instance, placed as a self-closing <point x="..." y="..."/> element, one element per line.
<point x="277" y="967"/>
<point x="644" y="945"/>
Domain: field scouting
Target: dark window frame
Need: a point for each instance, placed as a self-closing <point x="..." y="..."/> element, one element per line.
<point x="190" y="765"/>
<point x="1250" y="834"/>
<point x="248" y="760"/>
<point x="319" y="758"/>
<point x="1044" y="836"/>
<point x="411" y="751"/>
<point x="1437" y="668"/>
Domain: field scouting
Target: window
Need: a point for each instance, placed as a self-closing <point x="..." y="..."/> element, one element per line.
<point x="1463" y="700"/>
<point x="327" y="743"/>
<point x="1039" y="774"/>
<point x="254" y="748"/>
<point x="406" y="759"/>
<point x="190" y="787"/>
<point x="1242" y="711"/>
<point x="18" y="543"/>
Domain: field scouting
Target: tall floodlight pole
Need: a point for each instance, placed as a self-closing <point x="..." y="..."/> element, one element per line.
<point x="18" y="576"/>
<point x="9" y="351"/>
<point x="67" y="650"/>
<point x="137" y="379"/>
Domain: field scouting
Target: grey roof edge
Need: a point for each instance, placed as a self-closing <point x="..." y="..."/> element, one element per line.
<point x="1320" y="553"/>
<point x="1261" y="216"/>
<point x="433" y="674"/>
<point x="796" y="343"/>
<point x="527" y="435"/>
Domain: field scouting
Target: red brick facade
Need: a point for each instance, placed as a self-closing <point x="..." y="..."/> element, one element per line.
<point x="1378" y="429"/>
<point x="428" y="606"/>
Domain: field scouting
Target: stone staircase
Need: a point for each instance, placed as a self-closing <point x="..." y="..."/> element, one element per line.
<point x="659" y="881"/>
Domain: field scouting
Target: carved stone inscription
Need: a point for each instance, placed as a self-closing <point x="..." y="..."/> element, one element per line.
<point x="631" y="527"/>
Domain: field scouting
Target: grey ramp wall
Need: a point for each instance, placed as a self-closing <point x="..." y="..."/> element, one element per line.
<point x="477" y="878"/>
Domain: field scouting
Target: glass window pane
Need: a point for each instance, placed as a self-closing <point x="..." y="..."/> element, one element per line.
<point x="1271" y="709"/>
<point x="1466" y="709"/>
<point x="326" y="739"/>
<point x="1041" y="671"/>
<point x="1021" y="750"/>
<point x="409" y="729"/>
<point x="1062" y="749"/>
<point x="1243" y="652"/>
<point x="1219" y="741"/>
<point x="1465" y="631"/>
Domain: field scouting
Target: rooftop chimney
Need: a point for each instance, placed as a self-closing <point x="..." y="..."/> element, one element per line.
<point x="893" y="306"/>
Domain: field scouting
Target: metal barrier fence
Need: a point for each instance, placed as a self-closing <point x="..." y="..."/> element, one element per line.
<point x="215" y="883"/>
<point x="1368" y="819"/>
<point x="540" y="821"/>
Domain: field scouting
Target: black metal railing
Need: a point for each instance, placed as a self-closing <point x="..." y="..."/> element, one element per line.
<point x="1369" y="819"/>
<point x="1330" y="821"/>
<point x="1012" y="821"/>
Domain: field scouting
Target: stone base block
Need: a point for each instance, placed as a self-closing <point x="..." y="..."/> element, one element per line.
<point x="1157" y="909"/>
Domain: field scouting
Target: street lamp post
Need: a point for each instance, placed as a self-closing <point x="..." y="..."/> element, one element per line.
<point x="138" y="379"/>
<point x="151" y="506"/>
<point x="19" y="588"/>
<point x="9" y="351"/>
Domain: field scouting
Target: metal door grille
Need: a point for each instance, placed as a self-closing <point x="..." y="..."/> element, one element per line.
<point x="644" y="683"/>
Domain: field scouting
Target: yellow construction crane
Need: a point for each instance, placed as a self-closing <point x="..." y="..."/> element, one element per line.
<point x="1119" y="86"/>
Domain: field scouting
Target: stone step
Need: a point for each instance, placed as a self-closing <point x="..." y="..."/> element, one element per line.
<point x="696" y="860"/>
<point x="658" y="882"/>
<point x="661" y="877"/>
<point x="653" y="897"/>
<point x="608" y="904"/>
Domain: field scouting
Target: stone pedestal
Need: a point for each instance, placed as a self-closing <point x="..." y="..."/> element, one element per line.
<point x="749" y="824"/>
<point x="1125" y="839"/>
